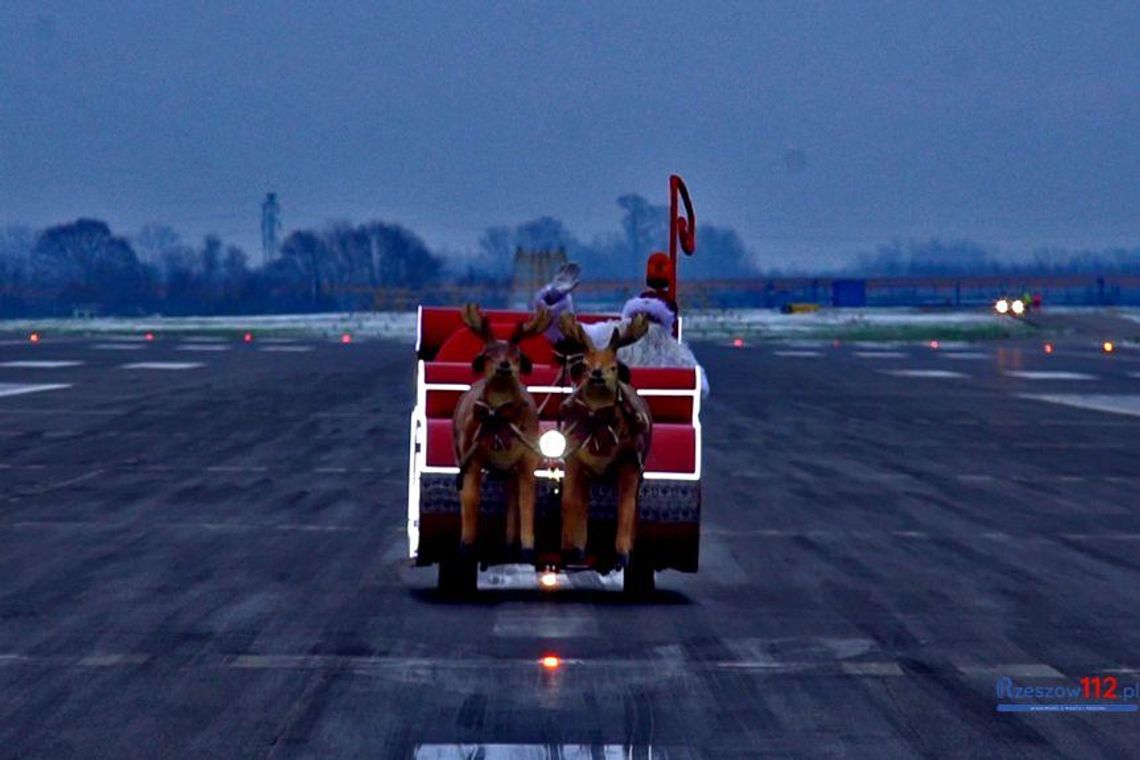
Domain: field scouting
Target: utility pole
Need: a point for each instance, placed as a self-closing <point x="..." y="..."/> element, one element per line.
<point x="270" y="227"/>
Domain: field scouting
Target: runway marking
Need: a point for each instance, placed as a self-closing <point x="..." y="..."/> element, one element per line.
<point x="1047" y="375"/>
<point x="330" y="470"/>
<point x="1019" y="670"/>
<point x="40" y="364"/>
<point x="541" y="751"/>
<point x="118" y="347"/>
<point x="932" y="373"/>
<point x="164" y="365"/>
<point x="17" y="389"/>
<point x="202" y="347"/>
<point x="871" y="668"/>
<point x="1101" y="536"/>
<point x="112" y="660"/>
<point x="798" y="354"/>
<point x="965" y="355"/>
<point x="1114" y="404"/>
<point x="880" y="354"/>
<point x="235" y="468"/>
<point x="548" y="623"/>
<point x="285" y="349"/>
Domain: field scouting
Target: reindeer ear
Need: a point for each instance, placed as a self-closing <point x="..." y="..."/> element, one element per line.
<point x="479" y="364"/>
<point x="525" y="364"/>
<point x="615" y="340"/>
<point x="623" y="372"/>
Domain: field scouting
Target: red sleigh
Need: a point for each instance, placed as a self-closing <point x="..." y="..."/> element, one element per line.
<point x="669" y="506"/>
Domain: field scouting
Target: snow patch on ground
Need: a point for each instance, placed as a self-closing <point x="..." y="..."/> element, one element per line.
<point x="698" y="325"/>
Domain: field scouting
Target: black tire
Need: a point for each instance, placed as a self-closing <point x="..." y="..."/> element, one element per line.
<point x="640" y="580"/>
<point x="458" y="577"/>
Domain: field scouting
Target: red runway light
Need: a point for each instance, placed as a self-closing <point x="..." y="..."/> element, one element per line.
<point x="149" y="336"/>
<point x="934" y="344"/>
<point x="248" y="337"/>
<point x="1048" y="348"/>
<point x="346" y="338"/>
<point x="34" y="337"/>
<point x="738" y="342"/>
<point x="550" y="662"/>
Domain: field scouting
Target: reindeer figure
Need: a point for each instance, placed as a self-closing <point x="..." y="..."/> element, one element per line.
<point x="608" y="428"/>
<point x="495" y="426"/>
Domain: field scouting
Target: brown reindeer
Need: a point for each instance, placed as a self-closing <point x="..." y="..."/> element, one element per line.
<point x="608" y="428"/>
<point x="495" y="426"/>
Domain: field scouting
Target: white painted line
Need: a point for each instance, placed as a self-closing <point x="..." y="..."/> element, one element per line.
<point x="286" y="349"/>
<point x="40" y="364"/>
<point x="202" y="347"/>
<point x="798" y="354"/>
<point x="1018" y="669"/>
<point x="871" y="668"/>
<point x="498" y="751"/>
<point x="164" y="365"/>
<point x="203" y="339"/>
<point x="111" y="660"/>
<point x="880" y="354"/>
<point x="939" y="373"/>
<point x="1114" y="404"/>
<point x="965" y="355"/>
<point x="16" y="389"/>
<point x="118" y="347"/>
<point x="1046" y="375"/>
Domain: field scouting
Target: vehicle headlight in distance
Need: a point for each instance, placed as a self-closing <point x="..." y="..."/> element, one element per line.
<point x="1017" y="307"/>
<point x="552" y="444"/>
<point x="1002" y="306"/>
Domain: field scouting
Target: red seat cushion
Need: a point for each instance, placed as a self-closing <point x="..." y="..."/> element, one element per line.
<point x="464" y="345"/>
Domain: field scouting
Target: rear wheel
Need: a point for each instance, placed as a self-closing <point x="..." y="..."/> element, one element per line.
<point x="639" y="580"/>
<point x="458" y="576"/>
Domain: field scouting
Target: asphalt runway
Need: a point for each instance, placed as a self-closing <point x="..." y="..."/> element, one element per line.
<point x="204" y="556"/>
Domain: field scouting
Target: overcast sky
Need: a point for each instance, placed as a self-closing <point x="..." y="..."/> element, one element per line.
<point x="816" y="130"/>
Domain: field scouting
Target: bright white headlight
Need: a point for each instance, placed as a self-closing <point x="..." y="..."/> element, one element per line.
<point x="1002" y="306"/>
<point x="552" y="444"/>
<point x="1017" y="307"/>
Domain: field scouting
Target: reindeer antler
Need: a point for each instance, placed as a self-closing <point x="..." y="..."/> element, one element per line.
<point x="535" y="326"/>
<point x="477" y="321"/>
<point x="573" y="332"/>
<point x="631" y="332"/>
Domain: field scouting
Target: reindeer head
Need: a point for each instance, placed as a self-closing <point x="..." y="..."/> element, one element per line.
<point x="502" y="359"/>
<point x="598" y="371"/>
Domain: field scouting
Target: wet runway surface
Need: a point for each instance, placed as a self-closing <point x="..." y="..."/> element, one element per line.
<point x="204" y="555"/>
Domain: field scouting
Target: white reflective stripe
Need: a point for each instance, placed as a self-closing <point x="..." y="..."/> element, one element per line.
<point x="557" y="474"/>
<point x="678" y="392"/>
<point x="419" y="327"/>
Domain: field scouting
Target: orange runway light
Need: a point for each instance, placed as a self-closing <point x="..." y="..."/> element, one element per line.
<point x="34" y="337"/>
<point x="1048" y="348"/>
<point x="1108" y="347"/>
<point x="550" y="662"/>
<point x="738" y="342"/>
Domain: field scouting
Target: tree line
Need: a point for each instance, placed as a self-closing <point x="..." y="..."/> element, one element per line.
<point x="83" y="267"/>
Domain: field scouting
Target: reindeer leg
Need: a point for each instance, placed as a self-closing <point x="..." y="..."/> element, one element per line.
<point x="629" y="481"/>
<point x="469" y="497"/>
<point x="512" y="514"/>
<point x="575" y="494"/>
<point x="525" y="505"/>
